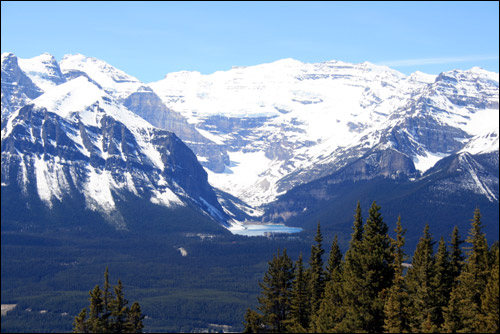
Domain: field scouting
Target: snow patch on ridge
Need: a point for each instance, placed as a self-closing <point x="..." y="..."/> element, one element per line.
<point x="427" y="160"/>
<point x="97" y="191"/>
<point x="50" y="180"/>
<point x="166" y="197"/>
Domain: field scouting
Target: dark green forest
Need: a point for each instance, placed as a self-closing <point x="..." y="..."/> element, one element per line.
<point x="49" y="276"/>
<point x="371" y="289"/>
<point x="213" y="285"/>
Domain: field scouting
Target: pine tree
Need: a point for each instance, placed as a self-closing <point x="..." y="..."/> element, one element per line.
<point x="335" y="258"/>
<point x="352" y="277"/>
<point x="357" y="233"/>
<point x="95" y="323"/>
<point x="492" y="254"/>
<point x="316" y="272"/>
<point x="107" y="296"/>
<point x="253" y="322"/>
<point x="428" y="325"/>
<point x="441" y="283"/>
<point x="276" y="294"/>
<point x="396" y="304"/>
<point x="452" y="321"/>
<point x="330" y="312"/>
<point x="490" y="300"/>
<point x="80" y="322"/>
<point x="300" y="309"/>
<point x="134" y="319"/>
<point x="464" y="308"/>
<point x="368" y="277"/>
<point x="456" y="257"/>
<point x="119" y="310"/>
<point x="419" y="280"/>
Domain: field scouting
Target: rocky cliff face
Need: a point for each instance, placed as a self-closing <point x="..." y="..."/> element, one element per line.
<point x="149" y="106"/>
<point x="17" y="87"/>
<point x="56" y="150"/>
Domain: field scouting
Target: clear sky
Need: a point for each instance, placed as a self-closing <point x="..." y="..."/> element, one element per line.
<point x="149" y="39"/>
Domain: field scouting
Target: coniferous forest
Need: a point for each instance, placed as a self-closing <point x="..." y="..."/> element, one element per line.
<point x="446" y="288"/>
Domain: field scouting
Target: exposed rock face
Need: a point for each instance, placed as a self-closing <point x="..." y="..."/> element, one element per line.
<point x="149" y="106"/>
<point x="388" y="163"/>
<point x="428" y="133"/>
<point x="62" y="158"/>
<point x="72" y="74"/>
<point x="17" y="87"/>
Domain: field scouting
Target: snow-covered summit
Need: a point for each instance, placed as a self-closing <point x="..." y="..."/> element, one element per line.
<point x="113" y="80"/>
<point x="290" y="118"/>
<point x="43" y="70"/>
<point x="81" y="98"/>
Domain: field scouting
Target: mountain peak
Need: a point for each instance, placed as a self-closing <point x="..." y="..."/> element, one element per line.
<point x="6" y="55"/>
<point x="8" y="58"/>
<point x="43" y="70"/>
<point x="113" y="80"/>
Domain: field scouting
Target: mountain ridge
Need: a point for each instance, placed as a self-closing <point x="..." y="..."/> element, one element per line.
<point x="261" y="131"/>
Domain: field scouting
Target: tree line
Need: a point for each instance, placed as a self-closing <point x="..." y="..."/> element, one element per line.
<point x="372" y="289"/>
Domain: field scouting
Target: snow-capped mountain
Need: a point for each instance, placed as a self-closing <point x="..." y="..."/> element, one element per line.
<point x="276" y="141"/>
<point x="77" y="141"/>
<point x="288" y="123"/>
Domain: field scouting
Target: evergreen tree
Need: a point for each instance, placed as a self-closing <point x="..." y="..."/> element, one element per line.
<point x="276" y="294"/>
<point x="490" y="300"/>
<point x="95" y="323"/>
<point x="456" y="257"/>
<point x="428" y="325"/>
<point x="365" y="287"/>
<point x="119" y="310"/>
<point x="492" y="254"/>
<point x="330" y="312"/>
<point x="352" y="277"/>
<point x="80" y="322"/>
<point x="441" y="283"/>
<point x="357" y="233"/>
<point x="253" y="322"/>
<point x="335" y="258"/>
<point x="453" y="322"/>
<point x="316" y="273"/>
<point x="396" y="304"/>
<point x="419" y="280"/>
<point x="134" y="319"/>
<point x="464" y="308"/>
<point x="300" y="309"/>
<point x="107" y="296"/>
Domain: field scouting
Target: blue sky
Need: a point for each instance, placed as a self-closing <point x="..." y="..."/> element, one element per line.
<point x="149" y="39"/>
